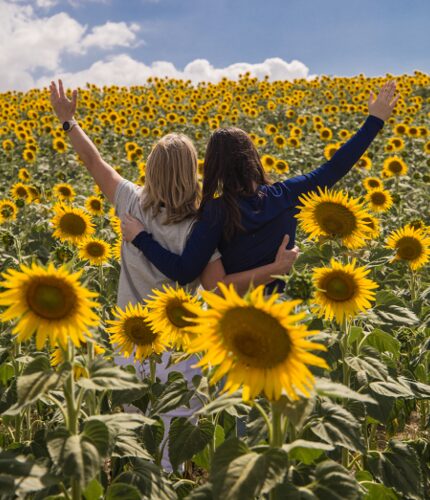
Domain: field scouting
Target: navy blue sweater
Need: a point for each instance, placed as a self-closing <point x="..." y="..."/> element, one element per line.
<point x="266" y="216"/>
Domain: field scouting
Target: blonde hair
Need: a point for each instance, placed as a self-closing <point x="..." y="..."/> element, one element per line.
<point x="171" y="178"/>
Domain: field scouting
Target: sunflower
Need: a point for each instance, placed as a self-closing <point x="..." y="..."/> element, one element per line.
<point x="59" y="144"/>
<point x="427" y="147"/>
<point x="342" y="290"/>
<point x="167" y="312"/>
<point x="373" y="224"/>
<point x="279" y="141"/>
<point x="397" y="142"/>
<point x="294" y="142"/>
<point x="71" y="224"/>
<point x="394" y="165"/>
<point x="116" y="249"/>
<point x="326" y="134"/>
<point x="115" y="223"/>
<point x="333" y="214"/>
<point x="64" y="191"/>
<point x="131" y="331"/>
<point x="281" y="166"/>
<point x="256" y="342"/>
<point x="268" y="162"/>
<point x="23" y="175"/>
<point x="94" y="205"/>
<point x="400" y="129"/>
<point x="20" y="191"/>
<point x="8" y="211"/>
<point x="330" y="150"/>
<point x="364" y="162"/>
<point x="48" y="302"/>
<point x="380" y="200"/>
<point x="29" y="155"/>
<point x="411" y="245"/>
<point x="79" y="370"/>
<point x="96" y="251"/>
<point x="370" y="183"/>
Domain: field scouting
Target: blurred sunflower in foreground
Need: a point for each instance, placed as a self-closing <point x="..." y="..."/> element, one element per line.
<point x="256" y="342"/>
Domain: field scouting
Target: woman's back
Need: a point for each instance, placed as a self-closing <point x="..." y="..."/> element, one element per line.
<point x="138" y="276"/>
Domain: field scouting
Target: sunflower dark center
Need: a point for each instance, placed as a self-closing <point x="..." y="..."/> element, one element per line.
<point x="373" y="183"/>
<point x="22" y="192"/>
<point x="395" y="167"/>
<point x="139" y="331"/>
<point x="51" y="298"/>
<point x="176" y="313"/>
<point x="95" y="204"/>
<point x="335" y="219"/>
<point x="409" y="248"/>
<point x="65" y="191"/>
<point x="255" y="337"/>
<point x="73" y="224"/>
<point x="339" y="286"/>
<point x="6" y="211"/>
<point x="95" y="249"/>
<point x="378" y="198"/>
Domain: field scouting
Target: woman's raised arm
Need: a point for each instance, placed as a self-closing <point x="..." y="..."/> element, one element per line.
<point x="345" y="158"/>
<point x="106" y="177"/>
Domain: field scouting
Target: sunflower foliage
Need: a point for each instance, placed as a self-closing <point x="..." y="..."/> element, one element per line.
<point x="321" y="391"/>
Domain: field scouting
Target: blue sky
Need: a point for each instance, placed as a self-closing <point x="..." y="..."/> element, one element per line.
<point x="118" y="42"/>
<point x="342" y="37"/>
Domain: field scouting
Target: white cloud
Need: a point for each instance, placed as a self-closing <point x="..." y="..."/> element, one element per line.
<point x="30" y="42"/>
<point x="124" y="70"/>
<point x="110" y="35"/>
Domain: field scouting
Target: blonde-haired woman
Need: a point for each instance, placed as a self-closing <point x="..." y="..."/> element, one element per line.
<point x="166" y="205"/>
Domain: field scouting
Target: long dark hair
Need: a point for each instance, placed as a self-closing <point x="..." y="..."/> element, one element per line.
<point x="231" y="166"/>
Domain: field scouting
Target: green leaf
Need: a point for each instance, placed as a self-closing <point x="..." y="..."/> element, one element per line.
<point x="37" y="380"/>
<point x="104" y="376"/>
<point x="391" y="311"/>
<point x="148" y="479"/>
<point x="326" y="387"/>
<point x="94" y="490"/>
<point x="370" y="366"/>
<point x="391" y="388"/>
<point x="377" y="491"/>
<point x="75" y="454"/>
<point x="383" y="342"/>
<point x="225" y="402"/>
<point x="398" y="468"/>
<point x="306" y="451"/>
<point x="203" y="458"/>
<point x="174" y="394"/>
<point x="98" y="433"/>
<point x="122" y="491"/>
<point x="334" y="482"/>
<point x="6" y="373"/>
<point x="337" y="426"/>
<point x="187" y="439"/>
<point x="250" y="475"/>
<point x="229" y="450"/>
<point x="355" y="334"/>
<point x="152" y="436"/>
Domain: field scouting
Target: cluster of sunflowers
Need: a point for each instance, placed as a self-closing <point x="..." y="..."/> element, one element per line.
<point x="364" y="245"/>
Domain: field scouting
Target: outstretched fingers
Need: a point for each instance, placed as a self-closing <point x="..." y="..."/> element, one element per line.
<point x="54" y="91"/>
<point x="61" y="89"/>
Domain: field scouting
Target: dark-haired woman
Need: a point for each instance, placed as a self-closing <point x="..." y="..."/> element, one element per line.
<point x="241" y="213"/>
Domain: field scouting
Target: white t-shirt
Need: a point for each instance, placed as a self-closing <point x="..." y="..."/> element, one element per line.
<point x="144" y="275"/>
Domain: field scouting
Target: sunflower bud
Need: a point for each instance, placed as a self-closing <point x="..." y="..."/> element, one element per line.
<point x="300" y="285"/>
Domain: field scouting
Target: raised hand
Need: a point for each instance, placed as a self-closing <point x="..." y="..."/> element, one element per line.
<point x="130" y="227"/>
<point x="383" y="105"/>
<point x="64" y="108"/>
<point x="285" y="258"/>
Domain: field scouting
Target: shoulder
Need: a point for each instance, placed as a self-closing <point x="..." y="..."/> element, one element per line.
<point x="275" y="190"/>
<point x="125" y="193"/>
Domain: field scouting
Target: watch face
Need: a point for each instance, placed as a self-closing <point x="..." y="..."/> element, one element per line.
<point x="66" y="126"/>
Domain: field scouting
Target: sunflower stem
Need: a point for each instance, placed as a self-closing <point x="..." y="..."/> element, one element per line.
<point x="266" y="419"/>
<point x="343" y="344"/>
<point x="152" y="369"/>
<point x="412" y="285"/>
<point x="277" y="437"/>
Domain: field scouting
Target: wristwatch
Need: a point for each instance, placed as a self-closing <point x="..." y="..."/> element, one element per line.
<point x="68" y="125"/>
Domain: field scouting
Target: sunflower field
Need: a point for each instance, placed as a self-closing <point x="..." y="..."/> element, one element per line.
<point x="319" y="392"/>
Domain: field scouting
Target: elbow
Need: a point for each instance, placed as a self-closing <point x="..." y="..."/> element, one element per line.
<point x="183" y="278"/>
